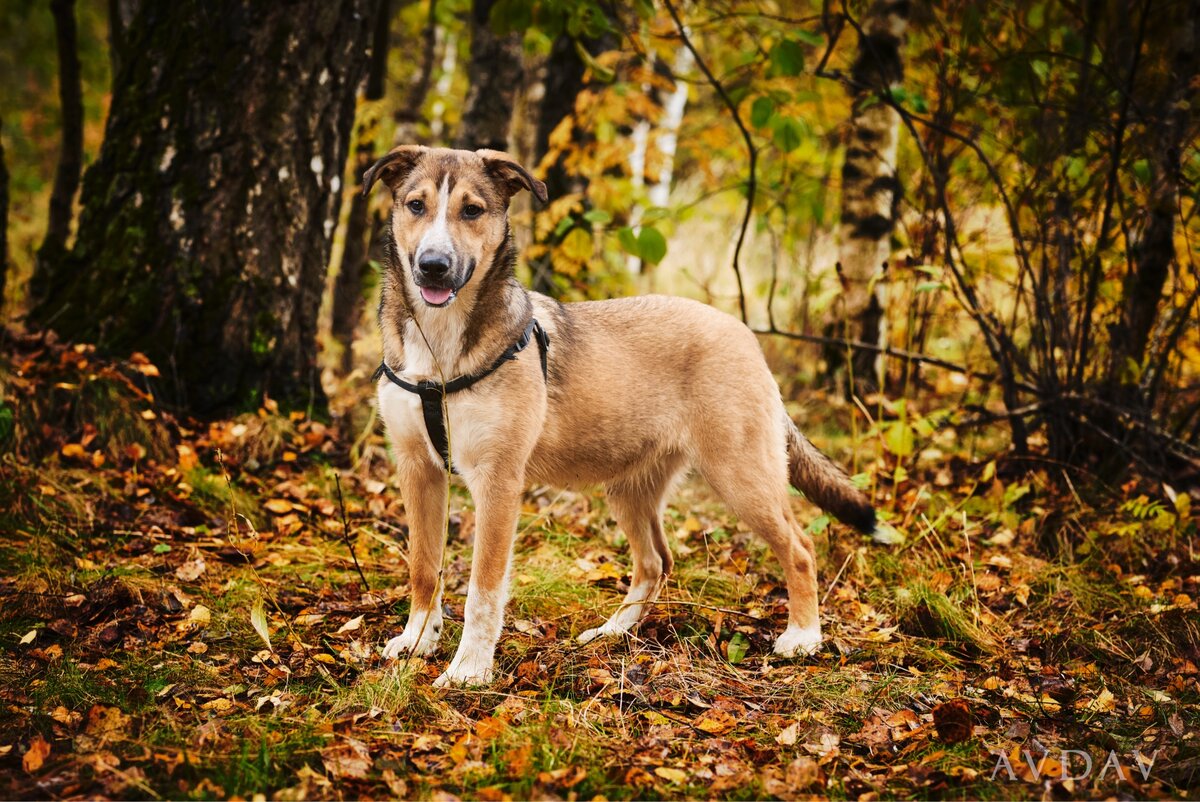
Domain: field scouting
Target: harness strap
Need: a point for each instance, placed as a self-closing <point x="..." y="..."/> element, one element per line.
<point x="432" y="393"/>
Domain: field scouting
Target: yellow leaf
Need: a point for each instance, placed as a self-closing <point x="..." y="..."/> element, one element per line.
<point x="279" y="506"/>
<point x="28" y="637"/>
<point x="73" y="451"/>
<point x="258" y="620"/>
<point x="187" y="457"/>
<point x="578" y="244"/>
<point x="716" y="722"/>
<point x="200" y="614"/>
<point x="289" y="456"/>
<point x="676" y="776"/>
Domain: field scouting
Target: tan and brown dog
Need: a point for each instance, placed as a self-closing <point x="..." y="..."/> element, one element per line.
<point x="637" y="391"/>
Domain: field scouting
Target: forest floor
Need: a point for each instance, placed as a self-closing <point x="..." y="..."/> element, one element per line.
<point x="180" y="617"/>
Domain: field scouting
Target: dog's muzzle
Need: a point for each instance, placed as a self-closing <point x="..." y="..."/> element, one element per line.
<point x="434" y="277"/>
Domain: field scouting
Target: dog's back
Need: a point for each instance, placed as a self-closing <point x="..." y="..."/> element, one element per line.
<point x="653" y="378"/>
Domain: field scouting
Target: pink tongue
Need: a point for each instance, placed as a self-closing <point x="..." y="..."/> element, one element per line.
<point x="435" y="295"/>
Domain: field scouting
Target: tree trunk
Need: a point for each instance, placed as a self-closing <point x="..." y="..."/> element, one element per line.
<point x="494" y="75"/>
<point x="869" y="192"/>
<point x="1153" y="250"/>
<point x="70" y="160"/>
<point x="3" y="217"/>
<point x="120" y="16"/>
<point x="355" y="267"/>
<point x="563" y="82"/>
<point x="209" y="214"/>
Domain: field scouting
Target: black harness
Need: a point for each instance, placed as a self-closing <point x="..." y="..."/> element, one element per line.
<point x="432" y="393"/>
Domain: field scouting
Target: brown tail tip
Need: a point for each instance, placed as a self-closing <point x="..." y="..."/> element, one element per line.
<point x="826" y="485"/>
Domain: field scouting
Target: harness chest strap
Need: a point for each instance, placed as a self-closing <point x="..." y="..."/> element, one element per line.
<point x="431" y="392"/>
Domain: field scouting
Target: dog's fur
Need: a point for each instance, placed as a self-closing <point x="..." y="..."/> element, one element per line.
<point x="638" y="391"/>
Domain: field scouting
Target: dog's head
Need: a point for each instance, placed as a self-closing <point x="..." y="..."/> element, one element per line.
<point x="449" y="212"/>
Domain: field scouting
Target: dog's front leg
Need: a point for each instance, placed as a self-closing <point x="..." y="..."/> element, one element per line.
<point x="497" y="504"/>
<point x="423" y="485"/>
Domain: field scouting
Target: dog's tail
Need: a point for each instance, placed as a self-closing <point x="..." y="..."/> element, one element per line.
<point x="826" y="484"/>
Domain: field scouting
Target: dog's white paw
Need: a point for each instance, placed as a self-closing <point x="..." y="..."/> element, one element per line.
<point x="412" y="641"/>
<point x="798" y="641"/>
<point x="469" y="667"/>
<point x="606" y="630"/>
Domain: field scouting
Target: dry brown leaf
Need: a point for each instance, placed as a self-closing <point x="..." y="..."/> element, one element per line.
<point x="39" y="750"/>
<point x="191" y="570"/>
<point x="953" y="721"/>
<point x="347" y="758"/>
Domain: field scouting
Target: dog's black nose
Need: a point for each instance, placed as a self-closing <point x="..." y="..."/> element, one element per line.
<point x="434" y="265"/>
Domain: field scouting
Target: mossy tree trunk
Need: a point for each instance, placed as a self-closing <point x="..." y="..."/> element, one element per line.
<point x="3" y="217"/>
<point x="564" y="73"/>
<point x="494" y="75"/>
<point x="870" y="190"/>
<point x="70" y="159"/>
<point x="355" y="268"/>
<point x="1152" y="247"/>
<point x="209" y="215"/>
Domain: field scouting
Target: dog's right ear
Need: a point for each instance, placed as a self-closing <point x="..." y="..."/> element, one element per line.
<point x="393" y="168"/>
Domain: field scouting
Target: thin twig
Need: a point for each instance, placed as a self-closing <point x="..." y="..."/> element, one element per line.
<point x="346" y="532"/>
<point x="751" y="151"/>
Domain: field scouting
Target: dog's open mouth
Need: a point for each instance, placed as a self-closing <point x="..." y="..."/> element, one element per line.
<point x="437" y="296"/>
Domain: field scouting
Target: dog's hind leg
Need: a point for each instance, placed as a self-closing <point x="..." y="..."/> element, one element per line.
<point x="637" y="504"/>
<point x="754" y="483"/>
<point x="423" y="487"/>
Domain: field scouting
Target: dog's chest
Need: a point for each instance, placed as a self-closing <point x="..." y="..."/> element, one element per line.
<point x="467" y="428"/>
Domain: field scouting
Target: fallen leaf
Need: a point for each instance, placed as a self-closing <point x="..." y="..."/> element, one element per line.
<point x="788" y="735"/>
<point x="676" y="776"/>
<point x="200" y="614"/>
<point x="187" y="457"/>
<point x="28" y="637"/>
<point x="716" y="722"/>
<point x="191" y="570"/>
<point x="39" y="750"/>
<point x="347" y="758"/>
<point x="351" y="625"/>
<point x="74" y="451"/>
<point x="103" y="721"/>
<point x="953" y="721"/>
<point x="258" y="620"/>
<point x="278" y="506"/>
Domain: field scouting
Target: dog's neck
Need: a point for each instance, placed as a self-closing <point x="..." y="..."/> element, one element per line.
<point x="487" y="316"/>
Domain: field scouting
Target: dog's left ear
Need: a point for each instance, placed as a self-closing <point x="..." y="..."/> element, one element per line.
<point x="510" y="176"/>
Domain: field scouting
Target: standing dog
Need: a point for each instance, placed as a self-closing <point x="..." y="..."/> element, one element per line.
<point x="626" y="393"/>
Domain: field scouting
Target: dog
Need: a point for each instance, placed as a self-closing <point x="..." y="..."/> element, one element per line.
<point x="627" y="393"/>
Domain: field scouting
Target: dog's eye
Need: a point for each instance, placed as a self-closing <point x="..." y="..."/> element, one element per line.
<point x="416" y="206"/>
<point x="472" y="210"/>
